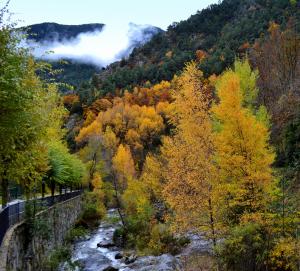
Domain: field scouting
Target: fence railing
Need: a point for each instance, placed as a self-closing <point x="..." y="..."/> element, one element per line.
<point x="15" y="212"/>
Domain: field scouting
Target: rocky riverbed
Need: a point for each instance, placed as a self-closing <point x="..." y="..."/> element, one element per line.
<point x="98" y="252"/>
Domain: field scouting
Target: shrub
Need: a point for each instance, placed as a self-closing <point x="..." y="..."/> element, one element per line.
<point x="244" y="249"/>
<point x="163" y="241"/>
<point x="284" y="255"/>
<point x="93" y="210"/>
<point x="75" y="233"/>
<point x="59" y="255"/>
<point x="109" y="194"/>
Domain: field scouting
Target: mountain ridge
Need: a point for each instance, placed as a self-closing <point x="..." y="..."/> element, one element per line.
<point x="51" y="31"/>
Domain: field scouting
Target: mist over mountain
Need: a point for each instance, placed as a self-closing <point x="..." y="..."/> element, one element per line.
<point x="87" y="48"/>
<point x="96" y="44"/>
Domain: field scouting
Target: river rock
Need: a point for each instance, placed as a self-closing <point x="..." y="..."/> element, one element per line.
<point x="118" y="256"/>
<point x="93" y="260"/>
<point x="110" y="268"/>
<point x="106" y="244"/>
<point x="130" y="259"/>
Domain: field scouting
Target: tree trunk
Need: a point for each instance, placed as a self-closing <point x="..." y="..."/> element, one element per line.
<point x="92" y="171"/>
<point x="212" y="222"/>
<point x="283" y="208"/>
<point x="5" y="193"/>
<point x="52" y="188"/>
<point x="27" y="193"/>
<point x="118" y="202"/>
<point x="43" y="189"/>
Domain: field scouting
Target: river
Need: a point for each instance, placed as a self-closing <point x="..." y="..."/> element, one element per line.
<point x="98" y="253"/>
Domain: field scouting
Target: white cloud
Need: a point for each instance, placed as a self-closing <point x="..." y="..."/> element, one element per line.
<point x="100" y="47"/>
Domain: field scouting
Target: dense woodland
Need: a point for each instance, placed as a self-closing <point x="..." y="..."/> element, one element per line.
<point x="197" y="131"/>
<point x="223" y="31"/>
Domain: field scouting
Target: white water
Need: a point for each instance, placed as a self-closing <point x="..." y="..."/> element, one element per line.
<point x="95" y="258"/>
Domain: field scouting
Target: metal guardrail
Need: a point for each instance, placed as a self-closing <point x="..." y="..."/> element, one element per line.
<point x="15" y="212"/>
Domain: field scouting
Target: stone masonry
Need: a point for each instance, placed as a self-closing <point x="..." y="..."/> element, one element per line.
<point x="17" y="254"/>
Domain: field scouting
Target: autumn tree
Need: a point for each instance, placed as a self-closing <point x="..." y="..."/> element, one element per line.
<point x="123" y="166"/>
<point x="123" y="170"/>
<point x="243" y="153"/>
<point x="70" y="101"/>
<point x="188" y="156"/>
<point x="278" y="60"/>
<point x="98" y="192"/>
<point x="152" y="177"/>
<point x="243" y="157"/>
<point x="91" y="155"/>
<point x="140" y="127"/>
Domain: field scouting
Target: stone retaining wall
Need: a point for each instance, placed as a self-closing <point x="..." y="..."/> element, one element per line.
<point x="17" y="254"/>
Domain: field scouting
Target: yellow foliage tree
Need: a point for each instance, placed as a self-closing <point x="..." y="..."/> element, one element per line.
<point x="135" y="198"/>
<point x="243" y="154"/>
<point x="123" y="170"/>
<point x="137" y="126"/>
<point x="123" y="166"/>
<point x="152" y="178"/>
<point x="187" y="157"/>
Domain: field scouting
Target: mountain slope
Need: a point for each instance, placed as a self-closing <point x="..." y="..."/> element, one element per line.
<point x="80" y="66"/>
<point x="72" y="73"/>
<point x="222" y="30"/>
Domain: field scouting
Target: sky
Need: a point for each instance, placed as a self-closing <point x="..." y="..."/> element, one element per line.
<point x="159" y="13"/>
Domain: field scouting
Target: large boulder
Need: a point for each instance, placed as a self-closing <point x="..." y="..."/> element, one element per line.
<point x="93" y="260"/>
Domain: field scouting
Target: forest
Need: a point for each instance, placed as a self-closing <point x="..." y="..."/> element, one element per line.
<point x="202" y="138"/>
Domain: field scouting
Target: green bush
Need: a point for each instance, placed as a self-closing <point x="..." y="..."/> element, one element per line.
<point x="162" y="240"/>
<point x="59" y="255"/>
<point x="75" y="233"/>
<point x="109" y="194"/>
<point x="148" y="237"/>
<point x="119" y="236"/>
<point x="93" y="210"/>
<point x="244" y="249"/>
